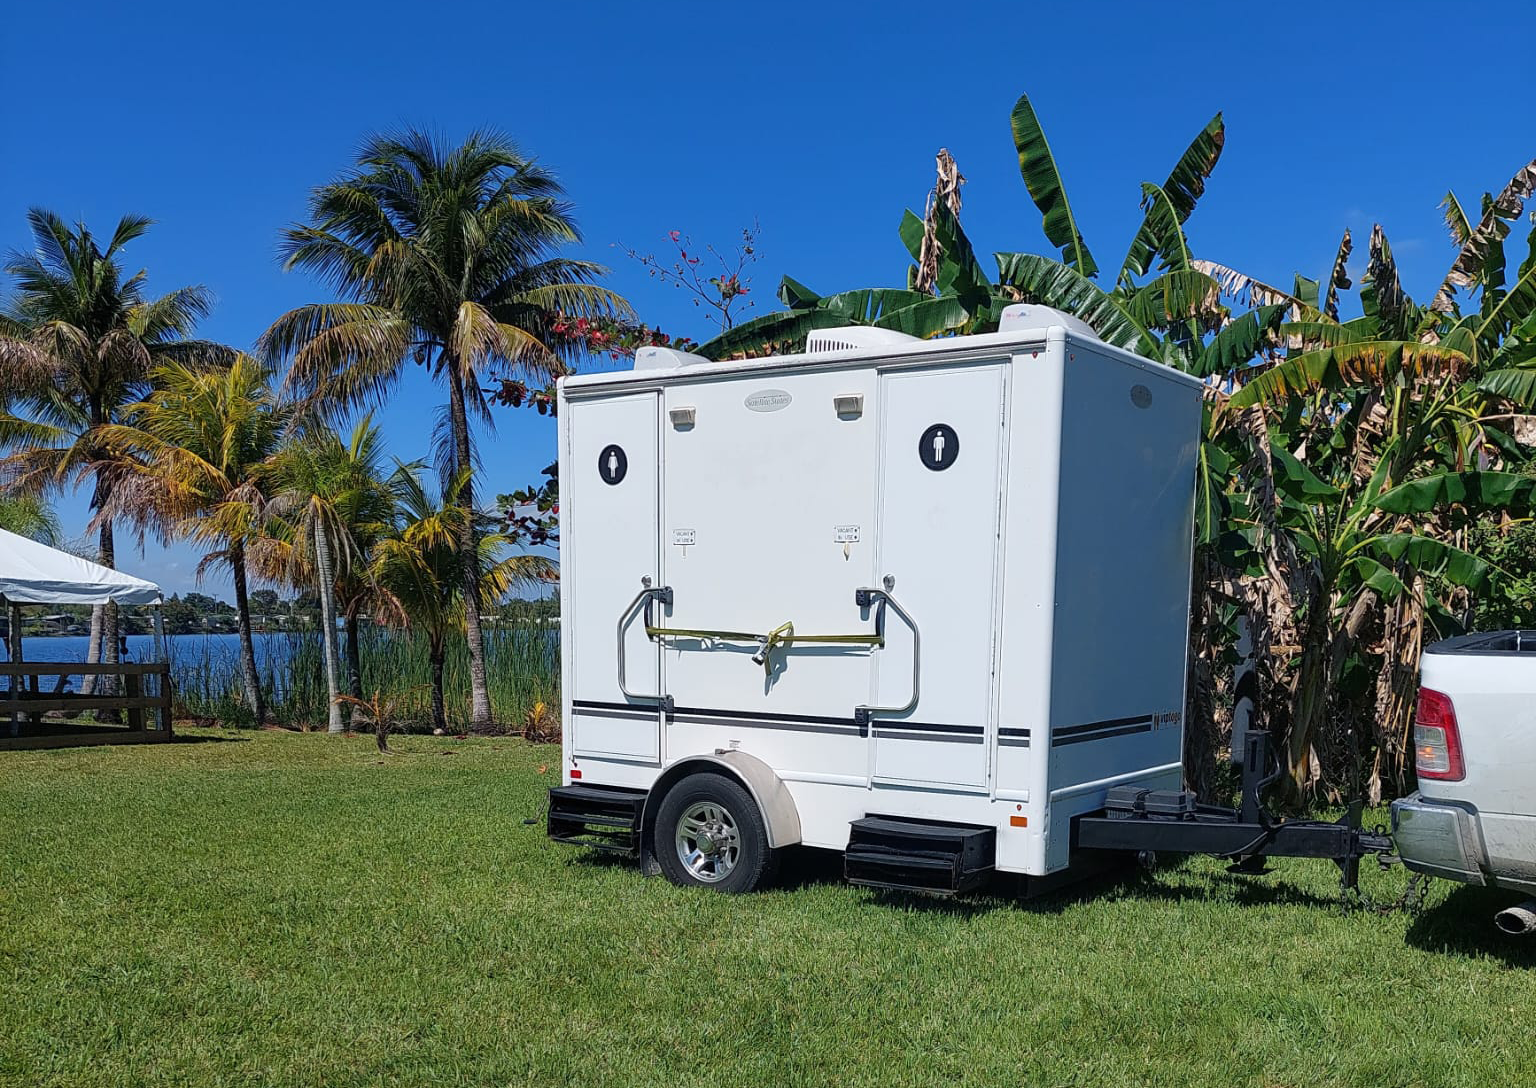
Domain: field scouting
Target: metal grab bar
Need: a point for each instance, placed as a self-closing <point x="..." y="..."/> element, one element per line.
<point x="648" y="594"/>
<point x="880" y="598"/>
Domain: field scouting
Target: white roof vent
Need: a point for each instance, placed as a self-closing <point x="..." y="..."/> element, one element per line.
<point x="852" y="338"/>
<point x="1026" y="315"/>
<point x="654" y="358"/>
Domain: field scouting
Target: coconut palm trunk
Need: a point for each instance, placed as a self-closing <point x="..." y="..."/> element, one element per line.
<point x="107" y="684"/>
<point x="480" y="717"/>
<point x="253" y="694"/>
<point x="324" y="575"/>
<point x="92" y="650"/>
<point x="354" y="655"/>
<point x="435" y="654"/>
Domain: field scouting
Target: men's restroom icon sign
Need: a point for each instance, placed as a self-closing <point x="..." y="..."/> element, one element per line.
<point x="939" y="447"/>
<point x="612" y="464"/>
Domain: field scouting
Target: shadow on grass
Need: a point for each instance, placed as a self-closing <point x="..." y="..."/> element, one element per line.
<point x="803" y="867"/>
<point x="1462" y="925"/>
<point x="204" y="738"/>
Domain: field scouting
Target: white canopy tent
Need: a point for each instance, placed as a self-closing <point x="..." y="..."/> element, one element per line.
<point x="33" y="573"/>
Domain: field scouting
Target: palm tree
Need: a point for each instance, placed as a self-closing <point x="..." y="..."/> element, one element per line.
<point x="77" y="343"/>
<point x="417" y="566"/>
<point x="200" y="452"/>
<point x="446" y="257"/>
<point x="30" y="516"/>
<point x="327" y="495"/>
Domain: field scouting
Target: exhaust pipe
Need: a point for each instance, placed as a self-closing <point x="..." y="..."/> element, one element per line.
<point x="1518" y="920"/>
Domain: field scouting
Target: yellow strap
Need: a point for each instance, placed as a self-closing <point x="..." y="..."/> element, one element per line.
<point x="782" y="635"/>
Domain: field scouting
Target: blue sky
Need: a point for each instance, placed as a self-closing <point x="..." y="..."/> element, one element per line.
<point x="818" y="120"/>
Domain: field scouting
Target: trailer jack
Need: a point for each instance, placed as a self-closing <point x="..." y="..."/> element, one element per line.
<point x="1151" y="821"/>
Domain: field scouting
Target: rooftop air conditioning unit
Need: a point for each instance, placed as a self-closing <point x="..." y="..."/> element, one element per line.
<point x="852" y="338"/>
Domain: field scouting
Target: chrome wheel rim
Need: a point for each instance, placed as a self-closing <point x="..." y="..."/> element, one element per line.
<point x="708" y="841"/>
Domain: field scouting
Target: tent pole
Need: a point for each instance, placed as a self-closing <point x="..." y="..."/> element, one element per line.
<point x="162" y="655"/>
<point x="18" y="683"/>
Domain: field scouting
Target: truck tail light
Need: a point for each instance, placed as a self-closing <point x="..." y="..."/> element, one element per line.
<point x="1436" y="739"/>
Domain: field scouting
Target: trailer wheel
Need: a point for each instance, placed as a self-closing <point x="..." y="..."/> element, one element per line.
<point x="710" y="834"/>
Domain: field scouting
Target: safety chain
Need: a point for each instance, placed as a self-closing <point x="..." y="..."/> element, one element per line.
<point x="1410" y="902"/>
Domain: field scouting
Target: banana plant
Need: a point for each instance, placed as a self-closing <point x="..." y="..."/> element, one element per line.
<point x="1164" y="317"/>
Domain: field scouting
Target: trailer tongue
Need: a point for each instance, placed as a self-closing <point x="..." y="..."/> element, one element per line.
<point x="1175" y="822"/>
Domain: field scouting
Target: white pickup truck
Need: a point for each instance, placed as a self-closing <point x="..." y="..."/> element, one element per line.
<point x="1473" y="818"/>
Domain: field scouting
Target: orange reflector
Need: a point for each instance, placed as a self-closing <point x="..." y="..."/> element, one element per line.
<point x="1018" y="821"/>
<point x="575" y="773"/>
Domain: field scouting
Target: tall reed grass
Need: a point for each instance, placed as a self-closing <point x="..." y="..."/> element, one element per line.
<point x="522" y="663"/>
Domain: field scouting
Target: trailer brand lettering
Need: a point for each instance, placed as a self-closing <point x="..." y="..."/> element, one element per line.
<point x="768" y="400"/>
<point x="612" y="464"/>
<point x="1167" y="719"/>
<point x="939" y="447"/>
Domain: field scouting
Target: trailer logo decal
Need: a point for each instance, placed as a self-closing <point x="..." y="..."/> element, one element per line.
<point x="612" y="464"/>
<point x="1141" y="396"/>
<point x="939" y="447"/>
<point x="767" y="400"/>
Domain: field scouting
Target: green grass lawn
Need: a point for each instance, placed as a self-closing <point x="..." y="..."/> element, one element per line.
<point x="280" y="909"/>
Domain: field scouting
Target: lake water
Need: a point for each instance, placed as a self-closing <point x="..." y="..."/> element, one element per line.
<point x="216" y="649"/>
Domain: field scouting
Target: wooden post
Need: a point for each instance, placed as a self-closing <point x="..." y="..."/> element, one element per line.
<point x="133" y="685"/>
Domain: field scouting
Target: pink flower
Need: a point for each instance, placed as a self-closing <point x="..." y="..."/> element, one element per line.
<point x="674" y="235"/>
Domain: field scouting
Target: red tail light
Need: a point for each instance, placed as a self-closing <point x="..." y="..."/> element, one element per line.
<point x="1436" y="739"/>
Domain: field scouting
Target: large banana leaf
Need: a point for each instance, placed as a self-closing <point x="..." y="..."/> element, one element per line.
<point x="1378" y="577"/>
<point x="1167" y="206"/>
<point x="1295" y="478"/>
<point x="1174" y="297"/>
<point x="868" y="305"/>
<point x="1491" y="229"/>
<point x="796" y="295"/>
<point x="1047" y="281"/>
<point x="1456" y="220"/>
<point x="1517" y="384"/>
<point x="1246" y="290"/>
<point x="927" y="318"/>
<point x="1236" y="345"/>
<point x="1043" y="180"/>
<point x="770" y="331"/>
<point x="1381" y="294"/>
<point x="1369" y="363"/>
<point x="1431" y="556"/>
<point x="1338" y="277"/>
<point x="1509" y="491"/>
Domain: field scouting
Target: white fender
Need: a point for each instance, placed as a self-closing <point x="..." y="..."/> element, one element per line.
<point x="767" y="789"/>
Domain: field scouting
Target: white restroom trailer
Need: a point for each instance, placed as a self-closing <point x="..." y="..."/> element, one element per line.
<point x="921" y="601"/>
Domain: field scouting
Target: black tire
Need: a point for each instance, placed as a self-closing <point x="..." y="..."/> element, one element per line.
<point x="747" y="861"/>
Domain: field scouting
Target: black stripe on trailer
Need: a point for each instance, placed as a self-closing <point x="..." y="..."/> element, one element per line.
<point x="1112" y="727"/>
<point x="1013" y="738"/>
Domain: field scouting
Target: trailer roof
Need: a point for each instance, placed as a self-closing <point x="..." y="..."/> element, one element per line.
<point x="977" y="344"/>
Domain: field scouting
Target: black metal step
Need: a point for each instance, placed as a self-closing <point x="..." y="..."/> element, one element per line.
<point x="918" y="856"/>
<point x="604" y="817"/>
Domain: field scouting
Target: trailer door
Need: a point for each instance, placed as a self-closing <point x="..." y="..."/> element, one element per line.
<point x="941" y="452"/>
<point x="610" y="542"/>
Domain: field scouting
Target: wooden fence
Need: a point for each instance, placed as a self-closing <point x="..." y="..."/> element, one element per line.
<point x="42" y="715"/>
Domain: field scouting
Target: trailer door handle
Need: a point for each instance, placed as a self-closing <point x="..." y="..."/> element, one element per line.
<point x="646" y="595"/>
<point x="879" y="599"/>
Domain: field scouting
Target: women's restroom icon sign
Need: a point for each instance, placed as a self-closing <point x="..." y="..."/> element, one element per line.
<point x="612" y="464"/>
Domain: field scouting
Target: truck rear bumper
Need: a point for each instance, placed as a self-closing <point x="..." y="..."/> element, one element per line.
<point x="1438" y="838"/>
